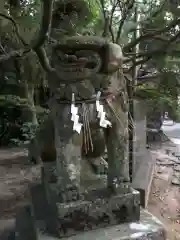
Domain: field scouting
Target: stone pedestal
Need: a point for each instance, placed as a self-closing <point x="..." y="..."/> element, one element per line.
<point x="96" y="209"/>
<point x="148" y="227"/>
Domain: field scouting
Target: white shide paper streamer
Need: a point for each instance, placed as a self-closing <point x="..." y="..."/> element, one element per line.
<point x="75" y="117"/>
<point x="101" y="114"/>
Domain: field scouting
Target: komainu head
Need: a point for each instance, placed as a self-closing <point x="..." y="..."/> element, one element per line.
<point x="86" y="58"/>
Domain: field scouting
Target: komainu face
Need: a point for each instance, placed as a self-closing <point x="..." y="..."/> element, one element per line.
<point x="85" y="64"/>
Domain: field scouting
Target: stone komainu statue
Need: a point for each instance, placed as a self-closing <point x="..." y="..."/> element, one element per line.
<point x="83" y="66"/>
<point x="88" y="110"/>
<point x="88" y="113"/>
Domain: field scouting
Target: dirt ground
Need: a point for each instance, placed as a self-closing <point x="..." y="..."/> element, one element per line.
<point x="16" y="175"/>
<point x="164" y="201"/>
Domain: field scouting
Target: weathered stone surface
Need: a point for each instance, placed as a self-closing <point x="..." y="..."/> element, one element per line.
<point x="99" y="208"/>
<point x="143" y="164"/>
<point x="7" y="229"/>
<point x="45" y="213"/>
<point x="25" y="225"/>
<point x="83" y="66"/>
<point x="177" y="168"/>
<point x="148" y="228"/>
<point x="67" y="210"/>
<point x="100" y="212"/>
<point x="68" y="148"/>
<point x="143" y="177"/>
<point x="175" y="180"/>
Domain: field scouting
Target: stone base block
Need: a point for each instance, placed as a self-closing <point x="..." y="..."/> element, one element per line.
<point x="147" y="228"/>
<point x="98" y="209"/>
<point x="97" y="212"/>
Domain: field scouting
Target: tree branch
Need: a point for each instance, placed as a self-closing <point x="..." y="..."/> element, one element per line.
<point x="165" y="49"/>
<point x="147" y="78"/>
<point x="15" y="26"/>
<point x="111" y="20"/>
<point x="140" y="62"/>
<point x="156" y="12"/>
<point x="130" y="4"/>
<point x="44" y="34"/>
<point x="16" y="53"/>
<point x="107" y="19"/>
<point x="45" y="23"/>
<point x="106" y="25"/>
<point x="132" y="44"/>
<point x="36" y="45"/>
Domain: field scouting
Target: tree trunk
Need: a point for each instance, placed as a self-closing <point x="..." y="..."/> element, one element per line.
<point x="29" y="94"/>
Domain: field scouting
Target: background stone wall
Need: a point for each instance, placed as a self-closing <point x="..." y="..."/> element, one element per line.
<point x="139" y="134"/>
<point x="143" y="165"/>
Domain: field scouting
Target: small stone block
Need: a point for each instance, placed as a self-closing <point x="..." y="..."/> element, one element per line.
<point x="45" y="213"/>
<point x="25" y="225"/>
<point x="86" y="215"/>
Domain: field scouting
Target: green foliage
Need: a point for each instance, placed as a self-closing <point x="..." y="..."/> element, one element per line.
<point x="11" y="107"/>
<point x="28" y="129"/>
<point x="9" y="101"/>
<point x="94" y="9"/>
<point x="159" y="99"/>
<point x="153" y="96"/>
<point x="13" y="129"/>
<point x="42" y="113"/>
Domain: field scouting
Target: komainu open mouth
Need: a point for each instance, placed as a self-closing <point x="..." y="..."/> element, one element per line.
<point x="81" y="63"/>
